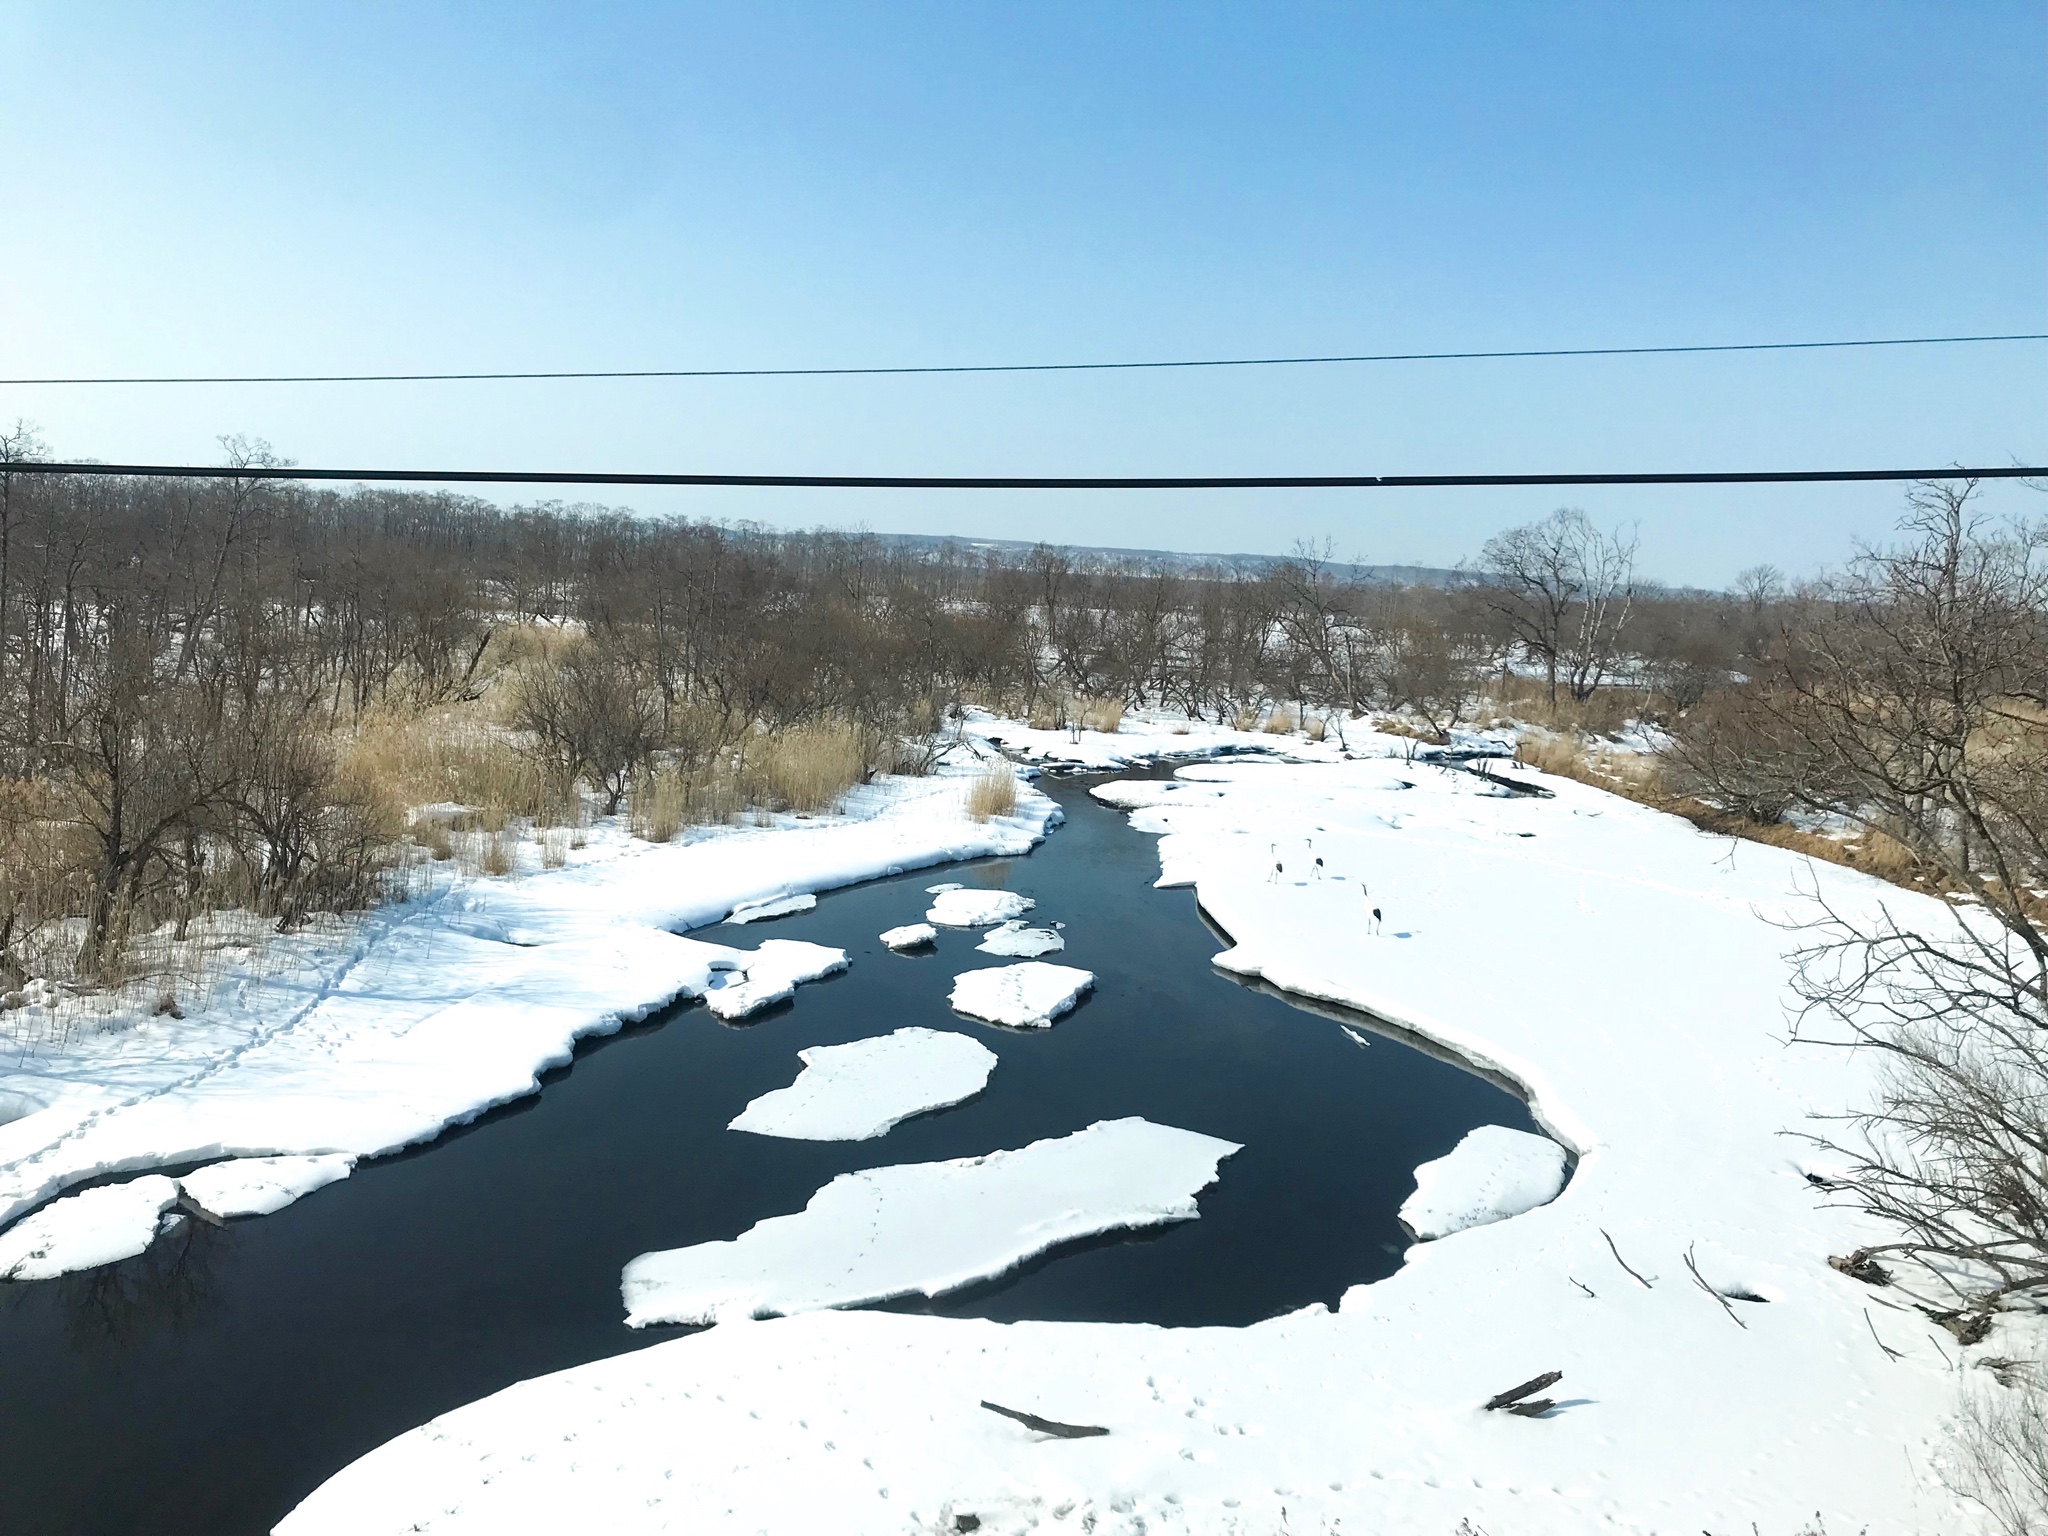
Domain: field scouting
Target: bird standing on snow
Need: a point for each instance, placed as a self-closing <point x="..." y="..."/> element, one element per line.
<point x="1278" y="869"/>
<point x="1375" y="919"/>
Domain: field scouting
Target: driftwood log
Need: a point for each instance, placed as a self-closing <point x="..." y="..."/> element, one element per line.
<point x="1045" y="1426"/>
<point x="1517" y="1399"/>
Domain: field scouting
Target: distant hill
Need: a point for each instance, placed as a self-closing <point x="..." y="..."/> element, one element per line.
<point x="1181" y="561"/>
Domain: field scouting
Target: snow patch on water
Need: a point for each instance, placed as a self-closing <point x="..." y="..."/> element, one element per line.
<point x="774" y="906"/>
<point x="88" y="1229"/>
<point x="1492" y="1174"/>
<point x="910" y="936"/>
<point x="257" y="1186"/>
<point x="857" y="1091"/>
<point x="1026" y="996"/>
<point x="977" y="909"/>
<point x="929" y="1228"/>
<point x="1013" y="938"/>
<point x="771" y="975"/>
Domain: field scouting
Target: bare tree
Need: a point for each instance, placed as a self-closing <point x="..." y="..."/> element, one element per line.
<point x="1565" y="589"/>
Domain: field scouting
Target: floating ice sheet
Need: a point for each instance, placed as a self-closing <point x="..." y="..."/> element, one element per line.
<point x="928" y="1228"/>
<point x="859" y="1090"/>
<point x="774" y="906"/>
<point x="1026" y="996"/>
<point x="910" y="935"/>
<point x="85" y="1230"/>
<point x="976" y="909"/>
<point x="257" y="1186"/>
<point x="1013" y="938"/>
<point x="1492" y="1174"/>
<point x="773" y="972"/>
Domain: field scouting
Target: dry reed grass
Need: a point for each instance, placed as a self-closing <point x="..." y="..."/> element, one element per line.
<point x="1105" y="715"/>
<point x="1639" y="777"/>
<point x="1281" y="722"/>
<point x="993" y="792"/>
<point x="457" y="754"/>
<point x="807" y="768"/>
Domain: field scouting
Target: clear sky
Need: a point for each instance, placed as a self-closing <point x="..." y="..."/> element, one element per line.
<point x="204" y="188"/>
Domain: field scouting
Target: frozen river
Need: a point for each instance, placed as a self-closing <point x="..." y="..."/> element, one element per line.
<point x="212" y="1383"/>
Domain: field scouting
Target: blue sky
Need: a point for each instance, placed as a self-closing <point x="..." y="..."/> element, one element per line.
<point x="237" y="188"/>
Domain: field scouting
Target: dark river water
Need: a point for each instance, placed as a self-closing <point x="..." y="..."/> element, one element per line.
<point x="212" y="1383"/>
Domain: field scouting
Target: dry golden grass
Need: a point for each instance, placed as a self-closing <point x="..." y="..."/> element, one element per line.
<point x="456" y="753"/>
<point x="1528" y="700"/>
<point x="807" y="768"/>
<point x="1316" y="728"/>
<point x="993" y="792"/>
<point x="1280" y="722"/>
<point x="1104" y="715"/>
<point x="658" y="806"/>
<point x="554" y="848"/>
<point x="1046" y="714"/>
<point x="1638" y="777"/>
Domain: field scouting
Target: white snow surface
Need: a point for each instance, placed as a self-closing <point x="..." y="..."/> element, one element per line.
<point x="1026" y="996"/>
<point x="929" y="1228"/>
<point x="256" y="1186"/>
<point x="859" y="1090"/>
<point x="770" y="975"/>
<point x="774" y="906"/>
<point x="1146" y="737"/>
<point x="1630" y="973"/>
<point x="1013" y="938"/>
<point x="1493" y="1173"/>
<point x="367" y="1034"/>
<point x="963" y="908"/>
<point x="909" y="936"/>
<point x="82" y="1231"/>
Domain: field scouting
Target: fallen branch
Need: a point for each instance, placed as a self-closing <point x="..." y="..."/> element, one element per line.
<point x="1623" y="1262"/>
<point x="1046" y="1426"/>
<point x="1512" y="1398"/>
<point x="1702" y="1284"/>
<point x="1895" y="1354"/>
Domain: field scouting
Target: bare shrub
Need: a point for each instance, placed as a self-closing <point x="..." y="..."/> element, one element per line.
<point x="592" y="716"/>
<point x="1999" y="1448"/>
<point x="659" y="806"/>
<point x="500" y="853"/>
<point x="993" y="792"/>
<point x="1565" y="590"/>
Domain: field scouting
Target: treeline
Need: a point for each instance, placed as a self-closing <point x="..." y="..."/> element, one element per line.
<point x="190" y="670"/>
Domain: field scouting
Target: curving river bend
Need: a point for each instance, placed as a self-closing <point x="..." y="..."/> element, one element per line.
<point x="209" y="1385"/>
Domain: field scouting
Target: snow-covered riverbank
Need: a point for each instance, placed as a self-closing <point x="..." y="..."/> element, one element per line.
<point x="374" y="1033"/>
<point x="1623" y="967"/>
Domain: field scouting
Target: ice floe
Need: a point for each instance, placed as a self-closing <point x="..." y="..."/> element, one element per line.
<point x="909" y="936"/>
<point x="859" y="1090"/>
<point x="82" y="1231"/>
<point x="928" y="1228"/>
<point x="966" y="908"/>
<point x="1025" y="996"/>
<point x="1492" y="1174"/>
<point x="771" y="974"/>
<point x="257" y="1186"/>
<point x="1014" y="938"/>
<point x="774" y="906"/>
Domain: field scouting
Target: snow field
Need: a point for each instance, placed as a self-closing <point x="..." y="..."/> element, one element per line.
<point x="1630" y="973"/>
<point x="1493" y="1173"/>
<point x="860" y="1090"/>
<point x="929" y="1228"/>
<point x="1026" y="996"/>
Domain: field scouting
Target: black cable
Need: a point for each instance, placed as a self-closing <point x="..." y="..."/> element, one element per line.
<point x="1021" y="482"/>
<point x="1212" y="362"/>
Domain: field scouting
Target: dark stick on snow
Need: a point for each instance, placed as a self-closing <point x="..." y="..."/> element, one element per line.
<point x="1894" y="1353"/>
<point x="1702" y="1284"/>
<point x="192" y="1207"/>
<point x="1514" y="1395"/>
<point x="1046" y="1426"/>
<point x="1582" y="1286"/>
<point x="1623" y="1262"/>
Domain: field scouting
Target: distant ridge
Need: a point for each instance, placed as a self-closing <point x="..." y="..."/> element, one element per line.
<point x="1179" y="562"/>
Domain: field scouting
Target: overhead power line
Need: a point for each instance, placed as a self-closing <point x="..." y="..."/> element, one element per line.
<point x="1204" y="362"/>
<point x="1022" y="482"/>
